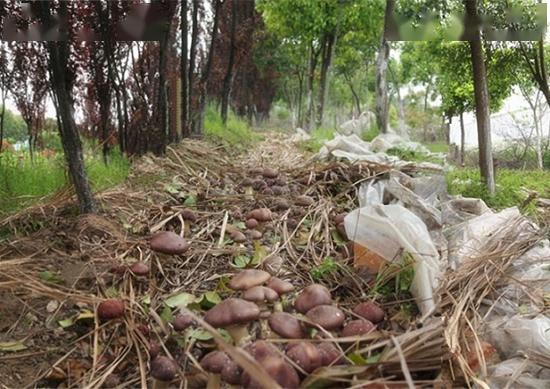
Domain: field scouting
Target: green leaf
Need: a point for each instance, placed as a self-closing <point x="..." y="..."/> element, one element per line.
<point x="180" y="300"/>
<point x="337" y="238"/>
<point x="200" y="335"/>
<point x="209" y="299"/>
<point x="171" y="188"/>
<point x="166" y="314"/>
<point x="49" y="276"/>
<point x="358" y="359"/>
<point x="146" y="300"/>
<point x="259" y="253"/>
<point x="65" y="323"/>
<point x="240" y="225"/>
<point x="241" y="261"/>
<point x="190" y="201"/>
<point x="112" y="292"/>
<point x="12" y="346"/>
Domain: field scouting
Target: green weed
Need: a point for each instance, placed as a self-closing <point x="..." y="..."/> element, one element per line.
<point x="235" y="135"/>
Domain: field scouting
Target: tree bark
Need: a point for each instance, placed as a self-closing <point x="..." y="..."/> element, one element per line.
<point x="2" y="115"/>
<point x="199" y="127"/>
<point x="228" y="79"/>
<point x="356" y="100"/>
<point x="462" y="139"/>
<point x="481" y="101"/>
<point x="70" y="139"/>
<point x="184" y="92"/>
<point x="192" y="60"/>
<point x="326" y="59"/>
<point x="382" y="107"/>
<point x="313" y="56"/>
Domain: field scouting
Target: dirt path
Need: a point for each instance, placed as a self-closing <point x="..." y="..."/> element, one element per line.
<point x="56" y="267"/>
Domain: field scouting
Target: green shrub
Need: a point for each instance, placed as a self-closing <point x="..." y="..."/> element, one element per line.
<point x="413" y="156"/>
<point x="236" y="134"/>
<point x="466" y="182"/>
<point x="318" y="137"/>
<point x="371" y="133"/>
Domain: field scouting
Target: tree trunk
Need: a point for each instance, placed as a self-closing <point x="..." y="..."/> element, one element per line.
<point x="382" y="108"/>
<point x="313" y="55"/>
<point x="199" y="127"/>
<point x="70" y="139"/>
<point x="2" y="115"/>
<point x="192" y="59"/>
<point x="228" y="79"/>
<point x="326" y="58"/>
<point x="184" y="92"/>
<point x="299" y="104"/>
<point x="462" y="139"/>
<point x="481" y="101"/>
<point x="356" y="99"/>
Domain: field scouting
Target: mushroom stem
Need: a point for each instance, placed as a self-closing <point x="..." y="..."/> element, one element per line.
<point x="239" y="333"/>
<point x="214" y="381"/>
<point x="158" y="384"/>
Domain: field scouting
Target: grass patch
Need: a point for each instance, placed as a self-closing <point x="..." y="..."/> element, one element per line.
<point x="318" y="138"/>
<point x="413" y="156"/>
<point x="466" y="182"/>
<point x="437" y="147"/>
<point x="236" y="134"/>
<point x="23" y="181"/>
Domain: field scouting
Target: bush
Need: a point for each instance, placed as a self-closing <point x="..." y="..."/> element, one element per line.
<point x="318" y="138"/>
<point x="371" y="133"/>
<point x="236" y="134"/>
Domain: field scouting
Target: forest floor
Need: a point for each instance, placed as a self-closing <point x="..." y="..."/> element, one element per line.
<point x="56" y="267"/>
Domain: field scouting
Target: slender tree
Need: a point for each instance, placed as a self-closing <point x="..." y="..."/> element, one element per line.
<point x="184" y="65"/>
<point x="228" y="79"/>
<point x="382" y="108"/>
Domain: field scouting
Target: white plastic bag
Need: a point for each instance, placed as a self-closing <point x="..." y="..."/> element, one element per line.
<point x="510" y="335"/>
<point x="518" y="373"/>
<point x="390" y="230"/>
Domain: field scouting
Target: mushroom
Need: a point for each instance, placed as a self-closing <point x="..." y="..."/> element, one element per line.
<point x="246" y="279"/>
<point x="370" y="311"/>
<point x="213" y="363"/>
<point x="291" y="223"/>
<point x="273" y="264"/>
<point x="258" y="184"/>
<point x="251" y="223"/>
<point x="232" y="373"/>
<point x="357" y="327"/>
<point x="305" y="355"/>
<point x="168" y="242"/>
<point x="237" y="236"/>
<point x="270" y="173"/>
<point x="163" y="370"/>
<point x="341" y="228"/>
<point x="279" y="370"/>
<point x="154" y="349"/>
<point x="110" y="309"/>
<point x="304" y="201"/>
<point x="312" y="296"/>
<point x="330" y="354"/>
<point x="246" y="182"/>
<point x="140" y="268"/>
<point x="188" y="215"/>
<point x="233" y="314"/>
<point x="260" y="214"/>
<point x="286" y="325"/>
<point x="255" y="234"/>
<point x="261" y="349"/>
<point x="281" y="205"/>
<point x="280" y="286"/>
<point x="326" y="316"/>
<point x="281" y="180"/>
<point x="182" y="321"/>
<point x="260" y="295"/>
<point x="268" y="191"/>
<point x="339" y="218"/>
<point x="277" y="190"/>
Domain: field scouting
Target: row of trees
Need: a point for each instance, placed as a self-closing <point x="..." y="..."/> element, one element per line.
<point x="119" y="89"/>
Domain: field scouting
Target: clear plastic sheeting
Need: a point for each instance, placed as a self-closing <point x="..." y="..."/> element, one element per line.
<point x="518" y="373"/>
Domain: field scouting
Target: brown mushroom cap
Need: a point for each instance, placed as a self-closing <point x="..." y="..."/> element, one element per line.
<point x="357" y="327"/>
<point x="140" y="268"/>
<point x="260" y="294"/>
<point x="255" y="234"/>
<point x="215" y="361"/>
<point x="280" y="286"/>
<point x="312" y="296"/>
<point x="370" y="311"/>
<point x="189" y="215"/>
<point x="330" y="354"/>
<point x="339" y="218"/>
<point x="168" y="242"/>
<point x="281" y="205"/>
<point x="163" y="369"/>
<point x="304" y="201"/>
<point x="251" y="223"/>
<point x="260" y="214"/>
<point x="110" y="309"/>
<point x="232" y="311"/>
<point x="270" y="173"/>
<point x="261" y="349"/>
<point x="279" y="370"/>
<point x="273" y="264"/>
<point x="258" y="184"/>
<point x="327" y="316"/>
<point x="277" y="190"/>
<point x="248" y="278"/>
<point x="247" y="181"/>
<point x="237" y="236"/>
<point x="286" y="325"/>
<point x="268" y="191"/>
<point x="182" y="321"/>
<point x="306" y="355"/>
<point x="154" y="349"/>
<point x="232" y="373"/>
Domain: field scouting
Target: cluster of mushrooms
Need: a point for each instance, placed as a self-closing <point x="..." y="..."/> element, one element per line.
<point x="310" y="318"/>
<point x="303" y="319"/>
